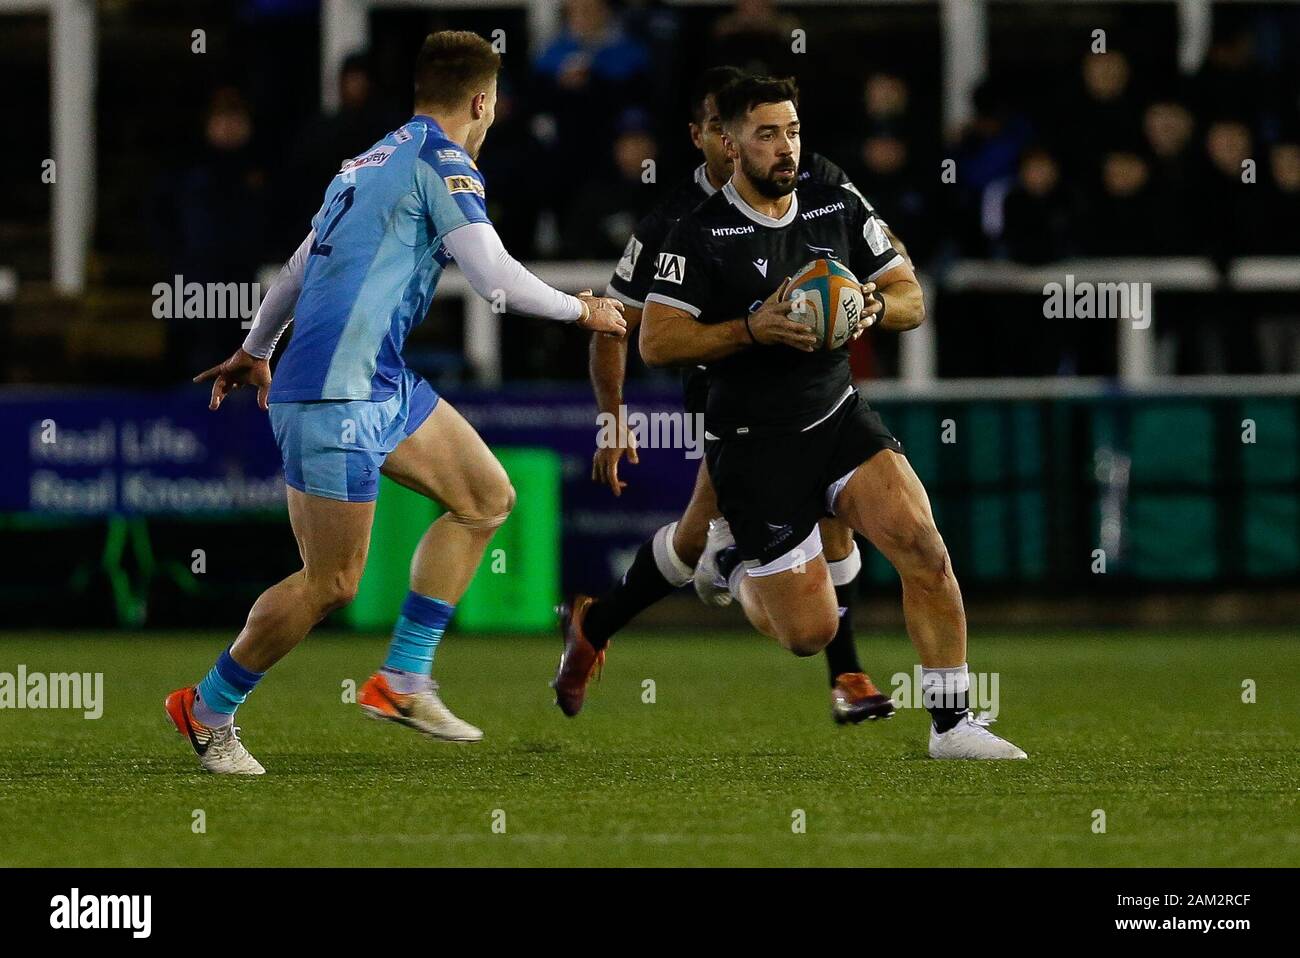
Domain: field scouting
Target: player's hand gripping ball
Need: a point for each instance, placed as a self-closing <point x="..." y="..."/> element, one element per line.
<point x="828" y="299"/>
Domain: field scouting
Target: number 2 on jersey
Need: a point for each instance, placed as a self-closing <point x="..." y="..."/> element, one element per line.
<point x="342" y="202"/>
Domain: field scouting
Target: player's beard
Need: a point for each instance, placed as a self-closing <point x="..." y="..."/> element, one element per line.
<point x="767" y="182"/>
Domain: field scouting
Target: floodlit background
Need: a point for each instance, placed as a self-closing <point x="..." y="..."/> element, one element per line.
<point x="1123" y="469"/>
<point x="1120" y="492"/>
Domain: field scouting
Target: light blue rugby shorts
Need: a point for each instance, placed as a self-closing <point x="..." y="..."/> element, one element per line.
<point x="334" y="448"/>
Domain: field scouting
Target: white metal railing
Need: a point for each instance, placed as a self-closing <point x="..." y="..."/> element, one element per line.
<point x="73" y="48"/>
<point x="8" y="284"/>
<point x="918" y="362"/>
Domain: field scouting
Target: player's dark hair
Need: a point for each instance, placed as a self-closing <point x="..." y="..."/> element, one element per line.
<point x="709" y="84"/>
<point x="737" y="99"/>
<point x="452" y="66"/>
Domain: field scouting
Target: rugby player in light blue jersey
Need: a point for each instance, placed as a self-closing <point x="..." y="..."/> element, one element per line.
<point x="345" y="409"/>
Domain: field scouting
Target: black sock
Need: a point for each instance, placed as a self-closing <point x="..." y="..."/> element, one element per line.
<point x="641" y="587"/>
<point x="949" y="712"/>
<point x="728" y="559"/>
<point x="842" y="653"/>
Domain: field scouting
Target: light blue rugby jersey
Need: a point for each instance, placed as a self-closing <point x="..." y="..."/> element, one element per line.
<point x="375" y="262"/>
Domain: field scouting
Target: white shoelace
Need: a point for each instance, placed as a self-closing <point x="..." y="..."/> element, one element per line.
<point x="226" y="740"/>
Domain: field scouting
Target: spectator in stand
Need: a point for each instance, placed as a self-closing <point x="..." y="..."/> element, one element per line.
<point x="508" y="164"/>
<point x="1120" y="219"/>
<point x="1273" y="218"/>
<point x="210" y="224"/>
<point x="586" y="77"/>
<point x="1169" y="130"/>
<point x="1273" y="224"/>
<point x="1037" y="223"/>
<point x="881" y="169"/>
<point x="885" y="97"/>
<point x="604" y="214"/>
<point x="1230" y="76"/>
<point x="1223" y="197"/>
<point x="987" y="155"/>
<point x="1104" y="112"/>
<point x="757" y="38"/>
<point x="325" y="141"/>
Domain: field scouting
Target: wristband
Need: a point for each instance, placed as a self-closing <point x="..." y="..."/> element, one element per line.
<point x="880" y="315"/>
<point x="752" y="338"/>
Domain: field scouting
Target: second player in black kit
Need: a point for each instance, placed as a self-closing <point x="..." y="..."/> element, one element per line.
<point x="782" y="426"/>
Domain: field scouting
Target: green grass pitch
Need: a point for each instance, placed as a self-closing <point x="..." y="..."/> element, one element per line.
<point x="1150" y="728"/>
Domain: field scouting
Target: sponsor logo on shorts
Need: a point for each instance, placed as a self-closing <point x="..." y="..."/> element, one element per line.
<point x="779" y="533"/>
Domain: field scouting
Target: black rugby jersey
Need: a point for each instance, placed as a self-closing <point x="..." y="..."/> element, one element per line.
<point x="635" y="271"/>
<point x="724" y="258"/>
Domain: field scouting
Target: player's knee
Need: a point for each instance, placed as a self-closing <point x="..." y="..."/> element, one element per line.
<point x="336" y="589"/>
<point x="487" y="508"/>
<point x="810" y="636"/>
<point x="919" y="550"/>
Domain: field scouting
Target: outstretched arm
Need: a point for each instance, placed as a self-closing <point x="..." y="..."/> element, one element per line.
<point x="492" y="271"/>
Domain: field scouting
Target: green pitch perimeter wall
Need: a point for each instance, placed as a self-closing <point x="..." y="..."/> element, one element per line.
<point x="1020" y="489"/>
<point x="518" y="581"/>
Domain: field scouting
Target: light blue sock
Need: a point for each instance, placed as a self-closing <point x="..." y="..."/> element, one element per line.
<point x="223" y="690"/>
<point x="415" y="637"/>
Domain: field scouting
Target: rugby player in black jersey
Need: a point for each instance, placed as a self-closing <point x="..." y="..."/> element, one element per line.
<point x="666" y="561"/>
<point x="788" y="438"/>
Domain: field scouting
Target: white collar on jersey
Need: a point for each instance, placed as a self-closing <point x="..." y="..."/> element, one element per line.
<point x="702" y="179"/>
<point x="762" y="219"/>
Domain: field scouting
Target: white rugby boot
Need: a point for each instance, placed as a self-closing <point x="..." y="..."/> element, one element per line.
<point x="710" y="585"/>
<point x="971" y="738"/>
<point x="219" y="749"/>
<point x="422" y="711"/>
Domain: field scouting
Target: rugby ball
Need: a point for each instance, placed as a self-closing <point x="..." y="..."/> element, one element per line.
<point x="828" y="300"/>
